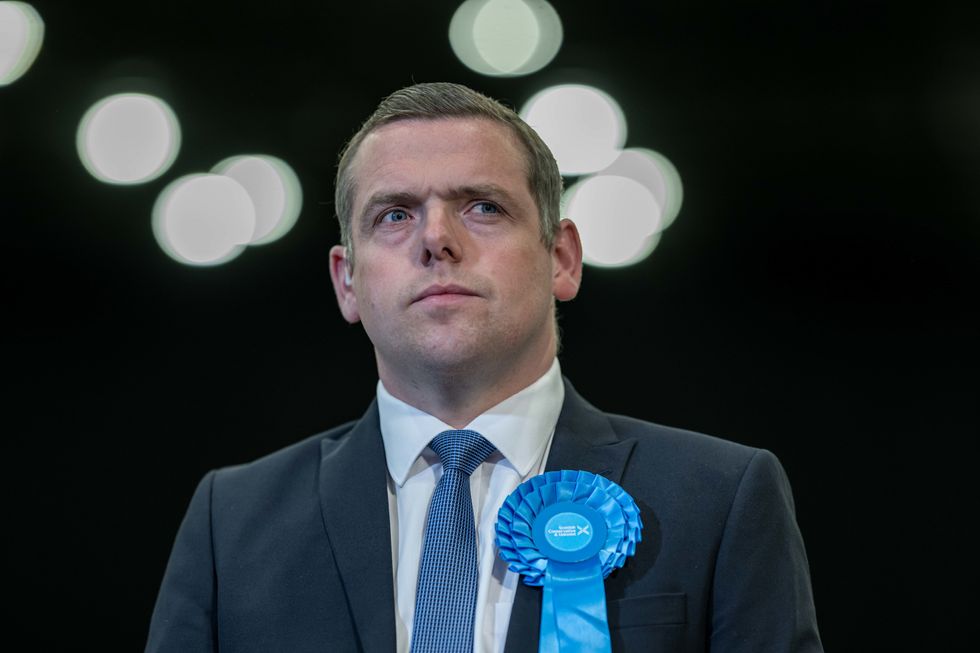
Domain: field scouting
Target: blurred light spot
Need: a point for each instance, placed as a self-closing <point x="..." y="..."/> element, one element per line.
<point x="505" y="38"/>
<point x="618" y="219"/>
<point x="203" y="219"/>
<point x="274" y="189"/>
<point x="506" y="34"/>
<point x="21" y="35"/>
<point x="657" y="173"/>
<point x="128" y="138"/>
<point x="583" y="126"/>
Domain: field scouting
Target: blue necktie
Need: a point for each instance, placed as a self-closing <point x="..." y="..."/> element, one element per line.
<point x="445" y="600"/>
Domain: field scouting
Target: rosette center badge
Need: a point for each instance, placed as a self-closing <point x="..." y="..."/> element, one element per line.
<point x="569" y="532"/>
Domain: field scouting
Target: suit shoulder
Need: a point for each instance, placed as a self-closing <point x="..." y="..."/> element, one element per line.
<point x="295" y="460"/>
<point x="656" y="443"/>
<point x="685" y="448"/>
<point x="678" y="466"/>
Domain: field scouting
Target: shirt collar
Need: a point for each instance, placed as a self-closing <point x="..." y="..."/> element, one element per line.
<point x="519" y="426"/>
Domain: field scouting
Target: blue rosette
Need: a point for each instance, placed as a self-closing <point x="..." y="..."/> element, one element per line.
<point x="566" y="531"/>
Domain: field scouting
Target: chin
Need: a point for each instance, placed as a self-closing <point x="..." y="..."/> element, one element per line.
<point x="449" y="358"/>
<point x="447" y="353"/>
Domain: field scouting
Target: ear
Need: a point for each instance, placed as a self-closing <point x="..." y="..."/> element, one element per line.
<point x="343" y="285"/>
<point x="566" y="262"/>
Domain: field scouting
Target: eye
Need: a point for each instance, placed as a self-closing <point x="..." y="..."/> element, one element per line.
<point x="486" y="208"/>
<point x="394" y="216"/>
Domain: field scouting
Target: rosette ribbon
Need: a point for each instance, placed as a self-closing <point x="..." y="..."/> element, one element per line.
<point x="566" y="531"/>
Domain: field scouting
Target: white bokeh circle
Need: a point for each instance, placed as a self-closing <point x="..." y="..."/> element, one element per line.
<point x="203" y="219"/>
<point x="583" y="126"/>
<point x="505" y="38"/>
<point x="275" y="191"/>
<point x="657" y="173"/>
<point x="129" y="138"/>
<point x="618" y="219"/>
<point x="21" y="36"/>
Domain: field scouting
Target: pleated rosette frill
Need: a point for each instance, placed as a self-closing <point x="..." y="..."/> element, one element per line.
<point x="517" y="516"/>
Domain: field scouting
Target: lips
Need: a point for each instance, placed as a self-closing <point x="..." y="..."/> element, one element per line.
<point x="437" y="290"/>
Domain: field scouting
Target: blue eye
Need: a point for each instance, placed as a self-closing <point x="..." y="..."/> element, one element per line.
<point x="395" y="215"/>
<point x="486" y="207"/>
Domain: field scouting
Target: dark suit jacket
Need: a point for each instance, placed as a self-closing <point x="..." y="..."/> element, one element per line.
<point x="293" y="551"/>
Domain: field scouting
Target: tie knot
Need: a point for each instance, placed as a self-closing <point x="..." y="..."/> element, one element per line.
<point x="461" y="450"/>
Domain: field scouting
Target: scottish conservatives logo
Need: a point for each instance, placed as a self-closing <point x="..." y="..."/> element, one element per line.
<point x="570" y="531"/>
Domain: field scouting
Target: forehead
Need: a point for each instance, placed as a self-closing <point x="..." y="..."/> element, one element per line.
<point x="425" y="154"/>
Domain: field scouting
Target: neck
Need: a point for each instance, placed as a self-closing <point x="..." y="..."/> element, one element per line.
<point x="457" y="397"/>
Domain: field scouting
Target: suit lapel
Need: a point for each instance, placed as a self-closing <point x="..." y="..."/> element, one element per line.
<point x="585" y="440"/>
<point x="354" y="504"/>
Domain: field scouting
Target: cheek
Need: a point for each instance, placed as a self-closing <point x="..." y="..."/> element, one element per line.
<point x="373" y="306"/>
<point x="373" y="284"/>
<point x="525" y="276"/>
<point x="369" y="304"/>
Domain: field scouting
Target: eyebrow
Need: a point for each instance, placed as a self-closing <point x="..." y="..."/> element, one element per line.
<point x="407" y="198"/>
<point x="381" y="199"/>
<point x="490" y="191"/>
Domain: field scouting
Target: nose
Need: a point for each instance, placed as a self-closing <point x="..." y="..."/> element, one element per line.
<point x="441" y="238"/>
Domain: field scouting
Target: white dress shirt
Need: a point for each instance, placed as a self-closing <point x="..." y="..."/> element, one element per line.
<point x="521" y="428"/>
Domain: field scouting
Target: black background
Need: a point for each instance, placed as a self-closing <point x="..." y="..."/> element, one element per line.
<point x="817" y="295"/>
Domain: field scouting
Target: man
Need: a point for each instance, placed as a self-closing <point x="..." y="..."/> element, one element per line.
<point x="453" y="255"/>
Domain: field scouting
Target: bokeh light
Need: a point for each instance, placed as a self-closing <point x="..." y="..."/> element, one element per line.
<point x="583" y="126"/>
<point x="21" y="35"/>
<point x="657" y="173"/>
<point x="618" y="218"/>
<point x="129" y="138"/>
<point x="505" y="38"/>
<point x="275" y="191"/>
<point x="203" y="219"/>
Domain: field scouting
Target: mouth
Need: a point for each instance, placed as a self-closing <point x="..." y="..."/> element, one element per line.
<point x="439" y="292"/>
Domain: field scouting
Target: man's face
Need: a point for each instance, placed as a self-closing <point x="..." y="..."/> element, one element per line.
<point x="450" y="271"/>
